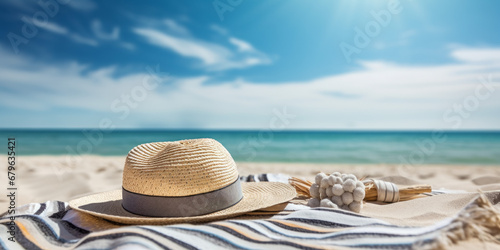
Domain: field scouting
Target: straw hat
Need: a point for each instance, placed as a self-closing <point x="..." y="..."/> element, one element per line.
<point x="180" y="182"/>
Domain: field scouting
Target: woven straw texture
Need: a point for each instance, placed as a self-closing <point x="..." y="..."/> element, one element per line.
<point x="178" y="168"/>
<point x="255" y="196"/>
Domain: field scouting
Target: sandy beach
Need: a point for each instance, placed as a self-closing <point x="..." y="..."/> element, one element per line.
<point x="42" y="178"/>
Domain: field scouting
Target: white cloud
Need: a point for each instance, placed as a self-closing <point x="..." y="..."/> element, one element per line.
<point x="128" y="46"/>
<point x="380" y="95"/>
<point x="402" y="40"/>
<point x="28" y="7"/>
<point x="185" y="47"/>
<point x="240" y="44"/>
<point x="96" y="27"/>
<point x="97" y="30"/>
<point x="82" y="5"/>
<point x="213" y="56"/>
<point x="53" y="27"/>
<point x="477" y="55"/>
<point x="60" y="30"/>
<point x="83" y="40"/>
<point x="218" y="29"/>
<point x="176" y="28"/>
<point x="407" y="34"/>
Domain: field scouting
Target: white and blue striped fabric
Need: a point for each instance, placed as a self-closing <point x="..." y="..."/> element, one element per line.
<point x="53" y="225"/>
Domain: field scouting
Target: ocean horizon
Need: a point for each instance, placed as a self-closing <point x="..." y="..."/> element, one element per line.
<point x="351" y="147"/>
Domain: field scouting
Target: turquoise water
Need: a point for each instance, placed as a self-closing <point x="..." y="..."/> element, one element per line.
<point x="481" y="148"/>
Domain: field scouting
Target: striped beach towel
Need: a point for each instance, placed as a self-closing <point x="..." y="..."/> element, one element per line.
<point x="53" y="225"/>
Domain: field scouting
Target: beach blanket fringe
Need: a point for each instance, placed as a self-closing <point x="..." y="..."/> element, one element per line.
<point x="479" y="220"/>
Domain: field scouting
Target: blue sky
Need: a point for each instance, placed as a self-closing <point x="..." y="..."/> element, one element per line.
<point x="178" y="64"/>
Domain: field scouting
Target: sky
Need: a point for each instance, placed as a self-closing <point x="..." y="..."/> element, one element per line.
<point x="240" y="64"/>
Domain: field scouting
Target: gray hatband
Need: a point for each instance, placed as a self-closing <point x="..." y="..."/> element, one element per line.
<point x="182" y="206"/>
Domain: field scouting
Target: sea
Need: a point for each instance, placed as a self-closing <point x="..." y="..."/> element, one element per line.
<point x="351" y="147"/>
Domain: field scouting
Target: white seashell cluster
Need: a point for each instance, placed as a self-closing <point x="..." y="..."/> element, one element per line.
<point x="337" y="191"/>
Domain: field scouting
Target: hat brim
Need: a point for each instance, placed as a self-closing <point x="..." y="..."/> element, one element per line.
<point x="256" y="195"/>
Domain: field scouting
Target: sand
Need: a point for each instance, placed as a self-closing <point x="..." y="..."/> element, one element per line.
<point x="42" y="178"/>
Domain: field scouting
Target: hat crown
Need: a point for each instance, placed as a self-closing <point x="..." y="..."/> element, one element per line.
<point x="179" y="168"/>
